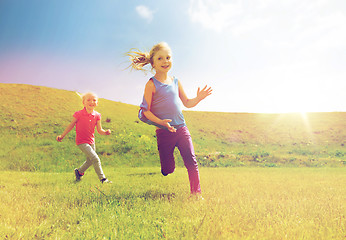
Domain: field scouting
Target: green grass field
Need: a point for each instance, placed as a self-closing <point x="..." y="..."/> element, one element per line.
<point x="263" y="176"/>
<point x="33" y="116"/>
<point x="240" y="203"/>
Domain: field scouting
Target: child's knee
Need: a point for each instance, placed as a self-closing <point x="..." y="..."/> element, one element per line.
<point x="165" y="172"/>
<point x="191" y="165"/>
<point x="95" y="159"/>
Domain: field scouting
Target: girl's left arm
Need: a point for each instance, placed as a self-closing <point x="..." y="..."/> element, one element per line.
<point x="191" y="102"/>
<point x="100" y="130"/>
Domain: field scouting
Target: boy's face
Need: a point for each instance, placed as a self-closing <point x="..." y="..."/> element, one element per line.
<point x="90" y="102"/>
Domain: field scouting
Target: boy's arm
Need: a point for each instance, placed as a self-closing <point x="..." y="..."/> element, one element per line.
<point x="191" y="102"/>
<point x="100" y="130"/>
<point x="67" y="130"/>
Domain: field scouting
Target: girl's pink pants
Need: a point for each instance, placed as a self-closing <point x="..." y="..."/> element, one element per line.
<point x="166" y="142"/>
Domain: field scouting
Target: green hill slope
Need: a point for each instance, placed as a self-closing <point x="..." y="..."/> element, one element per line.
<point x="32" y="116"/>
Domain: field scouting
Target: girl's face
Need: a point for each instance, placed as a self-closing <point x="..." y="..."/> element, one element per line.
<point x="162" y="60"/>
<point x="90" y="102"/>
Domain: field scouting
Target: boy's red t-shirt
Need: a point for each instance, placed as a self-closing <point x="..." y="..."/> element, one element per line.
<point x="85" y="126"/>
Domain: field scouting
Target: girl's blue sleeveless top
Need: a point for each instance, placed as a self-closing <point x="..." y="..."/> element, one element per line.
<point x="165" y="104"/>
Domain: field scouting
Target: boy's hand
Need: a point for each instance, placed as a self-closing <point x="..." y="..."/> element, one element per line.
<point x="108" y="132"/>
<point x="59" y="138"/>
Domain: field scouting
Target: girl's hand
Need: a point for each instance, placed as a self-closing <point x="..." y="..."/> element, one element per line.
<point x="59" y="138"/>
<point x="165" y="123"/>
<point x="108" y="132"/>
<point x="205" y="92"/>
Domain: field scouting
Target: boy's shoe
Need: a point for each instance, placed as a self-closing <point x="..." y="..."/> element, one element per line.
<point x="78" y="175"/>
<point x="105" y="180"/>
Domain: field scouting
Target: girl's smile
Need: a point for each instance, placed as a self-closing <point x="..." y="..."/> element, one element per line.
<point x="166" y="66"/>
<point x="162" y="60"/>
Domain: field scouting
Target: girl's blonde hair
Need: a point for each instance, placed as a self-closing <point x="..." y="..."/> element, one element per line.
<point x="140" y="59"/>
<point x="83" y="96"/>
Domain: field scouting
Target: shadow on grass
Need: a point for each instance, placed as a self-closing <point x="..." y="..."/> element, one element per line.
<point x="144" y="174"/>
<point x="100" y="195"/>
<point x="148" y="195"/>
<point x="156" y="195"/>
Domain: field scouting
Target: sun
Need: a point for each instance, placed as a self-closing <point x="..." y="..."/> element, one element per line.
<point x="292" y="100"/>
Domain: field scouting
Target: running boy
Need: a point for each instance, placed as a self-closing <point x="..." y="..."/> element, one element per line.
<point x="85" y="121"/>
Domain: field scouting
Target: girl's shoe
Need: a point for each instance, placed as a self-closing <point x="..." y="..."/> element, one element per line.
<point x="105" y="180"/>
<point x="196" y="196"/>
<point x="199" y="197"/>
<point x="78" y="175"/>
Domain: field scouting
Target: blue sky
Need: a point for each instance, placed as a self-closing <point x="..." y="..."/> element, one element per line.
<point x="259" y="56"/>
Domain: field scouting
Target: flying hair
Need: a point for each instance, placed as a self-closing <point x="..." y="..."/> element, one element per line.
<point x="138" y="59"/>
<point x="79" y="94"/>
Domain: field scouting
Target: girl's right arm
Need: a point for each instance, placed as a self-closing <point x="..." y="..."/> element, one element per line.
<point x="148" y="95"/>
<point x="67" y="130"/>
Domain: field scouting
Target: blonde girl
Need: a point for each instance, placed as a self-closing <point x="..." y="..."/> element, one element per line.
<point x="85" y="121"/>
<point x="161" y="106"/>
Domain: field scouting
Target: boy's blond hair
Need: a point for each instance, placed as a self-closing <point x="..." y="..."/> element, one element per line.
<point x="83" y="96"/>
<point x="140" y="59"/>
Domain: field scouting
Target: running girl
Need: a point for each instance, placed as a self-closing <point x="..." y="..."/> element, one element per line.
<point x="161" y="107"/>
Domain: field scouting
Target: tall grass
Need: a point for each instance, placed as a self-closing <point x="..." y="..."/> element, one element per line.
<point x="240" y="203"/>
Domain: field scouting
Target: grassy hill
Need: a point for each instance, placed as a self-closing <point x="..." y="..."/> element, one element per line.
<point x="32" y="116"/>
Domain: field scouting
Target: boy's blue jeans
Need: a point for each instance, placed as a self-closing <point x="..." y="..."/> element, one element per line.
<point x="92" y="159"/>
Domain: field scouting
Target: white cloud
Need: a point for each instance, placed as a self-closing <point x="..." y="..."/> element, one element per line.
<point x="282" y="21"/>
<point x="287" y="28"/>
<point x="214" y="14"/>
<point x="145" y="12"/>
